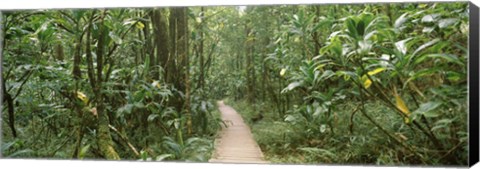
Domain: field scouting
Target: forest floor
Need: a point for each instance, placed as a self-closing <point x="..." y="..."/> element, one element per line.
<point x="235" y="143"/>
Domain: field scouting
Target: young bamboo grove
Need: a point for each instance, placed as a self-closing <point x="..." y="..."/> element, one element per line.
<point x="345" y="84"/>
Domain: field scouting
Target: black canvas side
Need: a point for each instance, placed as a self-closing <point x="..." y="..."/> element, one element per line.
<point x="473" y="62"/>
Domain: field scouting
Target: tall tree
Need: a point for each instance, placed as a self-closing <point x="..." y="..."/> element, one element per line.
<point x="104" y="139"/>
<point x="179" y="36"/>
<point x="201" y="80"/>
<point x="161" y="41"/>
<point x="250" y="66"/>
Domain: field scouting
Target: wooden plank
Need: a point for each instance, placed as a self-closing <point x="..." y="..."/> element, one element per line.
<point x="235" y="143"/>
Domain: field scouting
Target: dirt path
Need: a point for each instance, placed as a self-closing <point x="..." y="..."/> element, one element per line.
<point x="236" y="143"/>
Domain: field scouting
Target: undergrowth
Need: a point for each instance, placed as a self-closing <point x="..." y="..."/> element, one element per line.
<point x="288" y="143"/>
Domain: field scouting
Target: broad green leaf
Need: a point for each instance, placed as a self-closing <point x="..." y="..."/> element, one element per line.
<point x="402" y="19"/>
<point x="455" y="76"/>
<point x="444" y="121"/>
<point x="443" y="23"/>
<point x="295" y="17"/>
<point x="361" y="27"/>
<point x="125" y="109"/>
<point x="291" y="86"/>
<point x="447" y="57"/>
<point x="144" y="155"/>
<point x="427" y="109"/>
<point x="346" y="74"/>
<point x="422" y="73"/>
<point x="364" y="46"/>
<point x="115" y="38"/>
<point x="370" y="35"/>
<point x="431" y="114"/>
<point x="428" y="29"/>
<point x="327" y="74"/>
<point x="401" y="45"/>
<point x="337" y="48"/>
<point x="351" y="26"/>
<point x="152" y="117"/>
<point x="430" y="18"/>
<point x="176" y="123"/>
<point x="163" y="156"/>
<point x="425" y="45"/>
<point x="139" y="105"/>
<point x="84" y="151"/>
<point x="320" y="67"/>
<point x="290" y="118"/>
<point x="17" y="153"/>
<point x="77" y="14"/>
<point x="422" y="5"/>
<point x="6" y="146"/>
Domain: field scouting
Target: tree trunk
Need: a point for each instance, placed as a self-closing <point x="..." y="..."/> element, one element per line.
<point x="104" y="139"/>
<point x="182" y="39"/>
<point x="6" y="96"/>
<point x="149" y="51"/>
<point x="316" y="35"/>
<point x="250" y="67"/>
<point x="76" y="73"/>
<point x="179" y="52"/>
<point x="201" y="80"/>
<point x="59" y="54"/>
<point x="11" y="110"/>
<point x="161" y="41"/>
<point x="171" y="69"/>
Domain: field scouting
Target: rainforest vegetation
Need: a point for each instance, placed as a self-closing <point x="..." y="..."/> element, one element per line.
<point x="319" y="84"/>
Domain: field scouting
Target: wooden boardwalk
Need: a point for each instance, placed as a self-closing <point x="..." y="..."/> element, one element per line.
<point x="236" y="143"/>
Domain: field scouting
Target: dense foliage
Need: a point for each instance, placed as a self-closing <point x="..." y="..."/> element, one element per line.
<point x="349" y="84"/>
<point x="88" y="84"/>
